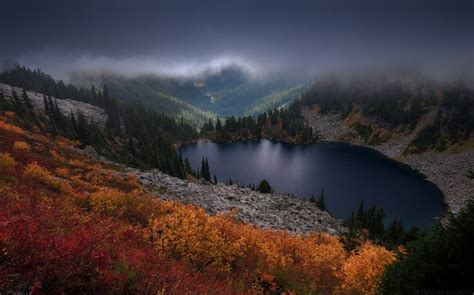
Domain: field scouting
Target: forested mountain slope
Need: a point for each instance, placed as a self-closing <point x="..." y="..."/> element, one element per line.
<point x="426" y="124"/>
<point x="124" y="132"/>
<point x="228" y="91"/>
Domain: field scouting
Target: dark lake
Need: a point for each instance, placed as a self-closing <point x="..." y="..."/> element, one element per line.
<point x="349" y="174"/>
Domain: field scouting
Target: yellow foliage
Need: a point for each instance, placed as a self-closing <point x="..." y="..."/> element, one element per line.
<point x="42" y="175"/>
<point x="113" y="202"/>
<point x="6" y="161"/>
<point x="21" y="146"/>
<point x="189" y="233"/>
<point x="364" y="268"/>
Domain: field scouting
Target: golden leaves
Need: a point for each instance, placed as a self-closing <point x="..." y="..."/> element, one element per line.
<point x="6" y="161"/>
<point x="21" y="146"/>
<point x="364" y="268"/>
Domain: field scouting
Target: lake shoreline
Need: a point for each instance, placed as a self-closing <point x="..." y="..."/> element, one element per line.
<point x="445" y="170"/>
<point x="304" y="187"/>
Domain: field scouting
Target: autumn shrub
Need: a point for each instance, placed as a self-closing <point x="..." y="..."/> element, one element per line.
<point x="131" y="206"/>
<point x="54" y="252"/>
<point x="42" y="175"/>
<point x="105" y="234"/>
<point x="364" y="268"/>
<point x="189" y="233"/>
<point x="21" y="146"/>
<point x="7" y="162"/>
<point x="11" y="128"/>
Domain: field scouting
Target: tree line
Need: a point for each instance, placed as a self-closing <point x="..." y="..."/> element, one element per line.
<point x="277" y="124"/>
<point x="133" y="134"/>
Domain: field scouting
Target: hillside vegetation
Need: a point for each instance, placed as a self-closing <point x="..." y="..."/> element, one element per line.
<point x="132" y="134"/>
<point x="377" y="109"/>
<point x="230" y="91"/>
<point x="71" y="224"/>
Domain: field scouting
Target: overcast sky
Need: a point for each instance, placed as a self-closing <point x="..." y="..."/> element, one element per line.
<point x="184" y="36"/>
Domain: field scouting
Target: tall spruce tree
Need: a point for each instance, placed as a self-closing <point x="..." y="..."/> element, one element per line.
<point x="321" y="203"/>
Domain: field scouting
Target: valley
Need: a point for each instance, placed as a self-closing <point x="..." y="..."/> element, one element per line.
<point x="229" y="91"/>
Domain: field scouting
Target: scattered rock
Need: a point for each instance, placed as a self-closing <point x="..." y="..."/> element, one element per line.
<point x="274" y="210"/>
<point x="92" y="113"/>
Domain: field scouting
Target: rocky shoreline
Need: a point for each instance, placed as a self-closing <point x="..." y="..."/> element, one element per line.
<point x="273" y="210"/>
<point x="447" y="170"/>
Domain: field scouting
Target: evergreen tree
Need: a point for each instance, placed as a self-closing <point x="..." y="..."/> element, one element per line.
<point x="28" y="106"/>
<point x="264" y="187"/>
<point x="321" y="202"/>
<point x="205" y="172"/>
<point x="4" y="103"/>
<point x="441" y="260"/>
<point x="187" y="166"/>
<point x="215" y="178"/>
<point x="351" y="235"/>
<point x="18" y="106"/>
<point x="218" y="125"/>
<point x="210" y="125"/>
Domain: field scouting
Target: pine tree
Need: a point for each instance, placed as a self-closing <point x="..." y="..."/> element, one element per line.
<point x="203" y="168"/>
<point x="187" y="166"/>
<point x="215" y="178"/>
<point x="210" y="125"/>
<point x="218" y="125"/>
<point x="208" y="173"/>
<point x="205" y="172"/>
<point x="264" y="187"/>
<point x="360" y="216"/>
<point x="321" y="203"/>
<point x="350" y="236"/>
<point x="4" y="104"/>
<point x="28" y="106"/>
<point x="18" y="106"/>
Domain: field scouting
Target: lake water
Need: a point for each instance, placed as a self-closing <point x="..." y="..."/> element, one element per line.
<point x="349" y="174"/>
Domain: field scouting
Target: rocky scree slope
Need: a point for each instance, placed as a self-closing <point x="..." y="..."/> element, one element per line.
<point x="92" y="113"/>
<point x="448" y="170"/>
<point x="272" y="210"/>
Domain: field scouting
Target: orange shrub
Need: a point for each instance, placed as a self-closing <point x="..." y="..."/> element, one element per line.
<point x="109" y="231"/>
<point x="11" y="128"/>
<point x="63" y="172"/>
<point x="6" y="161"/>
<point x="21" y="146"/>
<point x="190" y="234"/>
<point x="364" y="268"/>
<point x="56" y="156"/>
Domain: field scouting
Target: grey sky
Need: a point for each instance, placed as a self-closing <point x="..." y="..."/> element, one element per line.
<point x="183" y="36"/>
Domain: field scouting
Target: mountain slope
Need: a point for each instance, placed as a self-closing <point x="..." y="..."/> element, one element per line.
<point x="70" y="223"/>
<point x="229" y="91"/>
<point x="429" y="126"/>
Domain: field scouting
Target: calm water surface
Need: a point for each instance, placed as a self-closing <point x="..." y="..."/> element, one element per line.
<point x="349" y="174"/>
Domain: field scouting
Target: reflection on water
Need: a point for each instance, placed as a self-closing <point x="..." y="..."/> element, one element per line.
<point x="348" y="174"/>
